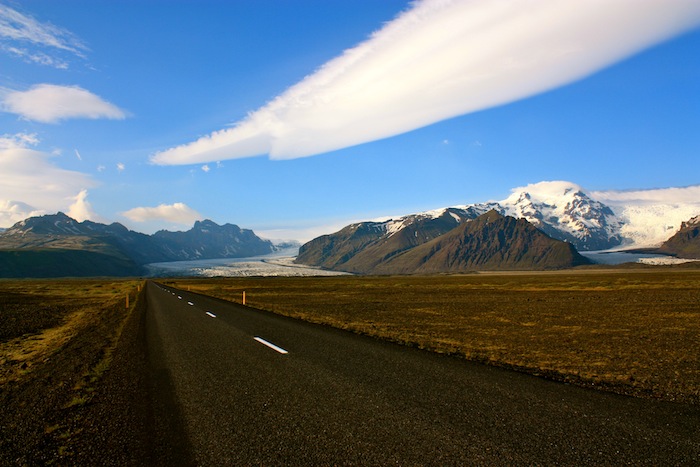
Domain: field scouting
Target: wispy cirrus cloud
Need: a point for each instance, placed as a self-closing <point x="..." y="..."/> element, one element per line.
<point x="22" y="36"/>
<point x="50" y="103"/>
<point x="31" y="184"/>
<point x="178" y="213"/>
<point x="438" y="60"/>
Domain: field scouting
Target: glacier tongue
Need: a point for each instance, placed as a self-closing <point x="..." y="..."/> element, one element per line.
<point x="651" y="225"/>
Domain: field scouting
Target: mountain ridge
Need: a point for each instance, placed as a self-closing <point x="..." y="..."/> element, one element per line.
<point x="449" y="244"/>
<point x="565" y="211"/>
<point x="561" y="210"/>
<point x="59" y="232"/>
<point x="489" y="242"/>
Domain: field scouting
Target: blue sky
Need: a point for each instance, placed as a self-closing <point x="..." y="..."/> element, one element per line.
<point x="133" y="111"/>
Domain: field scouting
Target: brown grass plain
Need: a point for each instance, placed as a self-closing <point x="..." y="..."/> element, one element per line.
<point x="628" y="331"/>
<point x="37" y="317"/>
<point x="57" y="339"/>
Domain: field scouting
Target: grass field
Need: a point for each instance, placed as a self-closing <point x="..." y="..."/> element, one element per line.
<point x="627" y="331"/>
<point x="37" y="317"/>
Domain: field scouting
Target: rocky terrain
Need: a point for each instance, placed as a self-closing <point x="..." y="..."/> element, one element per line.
<point x="441" y="244"/>
<point x="686" y="242"/>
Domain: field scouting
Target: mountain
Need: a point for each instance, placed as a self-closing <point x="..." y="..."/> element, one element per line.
<point x="488" y="242"/>
<point x="560" y="209"/>
<point x="59" y="231"/>
<point x="208" y="240"/>
<point x="362" y="246"/>
<point x="31" y="247"/>
<point x="686" y="242"/>
<point x="563" y="211"/>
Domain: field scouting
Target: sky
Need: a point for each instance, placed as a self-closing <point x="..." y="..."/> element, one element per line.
<point x="295" y="118"/>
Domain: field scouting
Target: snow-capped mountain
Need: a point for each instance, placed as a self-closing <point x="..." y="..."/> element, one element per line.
<point x="596" y="220"/>
<point x="563" y="210"/>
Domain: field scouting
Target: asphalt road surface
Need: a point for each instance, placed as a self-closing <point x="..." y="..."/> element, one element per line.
<point x="238" y="386"/>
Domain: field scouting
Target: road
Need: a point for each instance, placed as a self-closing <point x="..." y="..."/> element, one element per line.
<point x="334" y="397"/>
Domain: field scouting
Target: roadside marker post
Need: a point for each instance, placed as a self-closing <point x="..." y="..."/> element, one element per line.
<point x="244" y="297"/>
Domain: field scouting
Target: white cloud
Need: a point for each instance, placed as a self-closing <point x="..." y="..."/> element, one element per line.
<point x="81" y="209"/>
<point x="674" y="195"/>
<point x="549" y="191"/>
<point x="19" y="140"/>
<point x="12" y="212"/>
<point x="50" y="103"/>
<point x="205" y="168"/>
<point x="121" y="167"/>
<point x="439" y="60"/>
<point x="179" y="213"/>
<point x="19" y="31"/>
<point x="30" y="184"/>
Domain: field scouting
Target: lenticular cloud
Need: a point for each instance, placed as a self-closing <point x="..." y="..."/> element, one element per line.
<point x="439" y="60"/>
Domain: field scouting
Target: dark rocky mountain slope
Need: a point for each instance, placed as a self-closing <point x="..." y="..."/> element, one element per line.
<point x="489" y="242"/>
<point x="360" y="247"/>
<point x="209" y="240"/>
<point x="686" y="242"/>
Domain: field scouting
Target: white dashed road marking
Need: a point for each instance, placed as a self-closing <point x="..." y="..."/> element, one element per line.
<point x="270" y="345"/>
